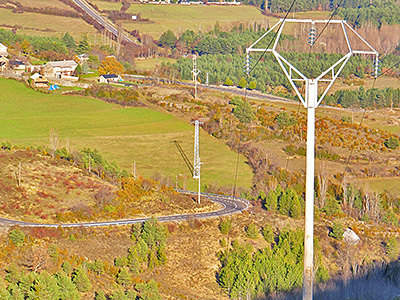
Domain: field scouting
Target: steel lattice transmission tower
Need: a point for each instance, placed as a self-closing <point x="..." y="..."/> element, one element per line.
<point x="195" y="72"/>
<point x="311" y="101"/>
<point x="196" y="161"/>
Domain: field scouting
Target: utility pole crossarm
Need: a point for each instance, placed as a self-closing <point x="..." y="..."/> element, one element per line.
<point x="265" y="34"/>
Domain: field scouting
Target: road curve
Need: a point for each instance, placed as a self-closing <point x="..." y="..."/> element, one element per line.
<point x="231" y="205"/>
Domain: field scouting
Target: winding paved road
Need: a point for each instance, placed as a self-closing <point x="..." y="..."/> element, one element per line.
<point x="231" y="205"/>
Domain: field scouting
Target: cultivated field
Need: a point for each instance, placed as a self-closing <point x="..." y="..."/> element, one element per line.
<point x="180" y="18"/>
<point x="151" y="63"/>
<point x="45" y="3"/>
<point x="45" y="25"/>
<point x="123" y="135"/>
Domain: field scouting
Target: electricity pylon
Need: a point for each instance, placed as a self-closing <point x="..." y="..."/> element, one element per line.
<point x="196" y="161"/>
<point x="311" y="101"/>
<point x="195" y="72"/>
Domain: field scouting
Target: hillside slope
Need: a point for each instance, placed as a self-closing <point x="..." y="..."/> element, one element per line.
<point x="121" y="134"/>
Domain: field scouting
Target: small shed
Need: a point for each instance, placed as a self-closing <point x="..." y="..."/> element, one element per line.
<point x="107" y="78"/>
<point x="39" y="81"/>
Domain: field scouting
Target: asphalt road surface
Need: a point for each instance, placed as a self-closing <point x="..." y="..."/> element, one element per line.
<point x="231" y="205"/>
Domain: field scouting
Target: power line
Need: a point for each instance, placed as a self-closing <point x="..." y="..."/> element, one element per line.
<point x="330" y="19"/>
<point x="276" y="33"/>
<point x="390" y="68"/>
<point x="251" y="70"/>
<point x="237" y="165"/>
<point x="319" y="34"/>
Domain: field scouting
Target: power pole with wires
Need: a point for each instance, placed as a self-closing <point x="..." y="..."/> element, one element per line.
<point x="196" y="162"/>
<point x="195" y="72"/>
<point x="311" y="101"/>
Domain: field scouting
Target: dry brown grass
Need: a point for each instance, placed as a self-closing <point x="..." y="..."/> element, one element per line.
<point x="45" y="3"/>
<point x="48" y="186"/>
<point x="51" y="190"/>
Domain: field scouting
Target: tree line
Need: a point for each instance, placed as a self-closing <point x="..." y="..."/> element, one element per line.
<point x="246" y="273"/>
<point x="356" y="12"/>
<point x="388" y="97"/>
<point x="50" y="274"/>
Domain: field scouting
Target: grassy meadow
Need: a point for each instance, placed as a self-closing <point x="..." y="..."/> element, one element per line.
<point x="45" y="3"/>
<point x="121" y="134"/>
<point x="45" y="25"/>
<point x="180" y="18"/>
<point x="151" y="63"/>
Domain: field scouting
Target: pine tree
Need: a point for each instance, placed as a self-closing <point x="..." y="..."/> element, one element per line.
<point x="225" y="225"/>
<point x="337" y="230"/>
<point x="15" y="292"/>
<point x="149" y="291"/>
<point x="4" y="294"/>
<point x="68" y="290"/>
<point x="123" y="277"/>
<point x="268" y="233"/>
<point x="17" y="237"/>
<point x="228" y="82"/>
<point x="392" y="248"/>
<point x="83" y="46"/>
<point x="69" y="41"/>
<point x="168" y="39"/>
<point x="119" y="294"/>
<point x="100" y="295"/>
<point x="44" y="287"/>
<point x="252" y="85"/>
<point x="81" y="279"/>
<point x="252" y="231"/>
<point x="242" y="83"/>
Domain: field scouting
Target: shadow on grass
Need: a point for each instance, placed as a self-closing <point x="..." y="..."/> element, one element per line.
<point x="380" y="281"/>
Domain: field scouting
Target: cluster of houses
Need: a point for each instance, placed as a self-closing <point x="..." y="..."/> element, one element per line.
<point x="52" y="70"/>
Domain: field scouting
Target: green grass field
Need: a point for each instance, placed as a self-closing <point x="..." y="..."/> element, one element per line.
<point x="122" y="134"/>
<point x="45" y="3"/>
<point x="379" y="185"/>
<point x="151" y="63"/>
<point x="45" y="25"/>
<point x="180" y="18"/>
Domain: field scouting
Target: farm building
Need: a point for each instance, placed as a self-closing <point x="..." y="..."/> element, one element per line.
<point x="20" y="65"/>
<point x="39" y="81"/>
<point x="60" y="69"/>
<point x="3" y="50"/>
<point x="83" y="58"/>
<point x="3" y="57"/>
<point x="109" y="78"/>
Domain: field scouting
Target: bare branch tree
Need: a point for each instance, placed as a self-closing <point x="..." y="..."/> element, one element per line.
<point x="323" y="185"/>
<point x="53" y="142"/>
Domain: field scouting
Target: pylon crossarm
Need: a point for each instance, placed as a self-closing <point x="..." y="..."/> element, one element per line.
<point x="280" y="57"/>
<point x="343" y="60"/>
<point x="282" y="60"/>
<point x="345" y="35"/>
<point x="361" y="38"/>
<point x="346" y="59"/>
<point x="260" y="50"/>
<point x="365" y="52"/>
<point x="278" y="35"/>
<point x="268" y="31"/>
